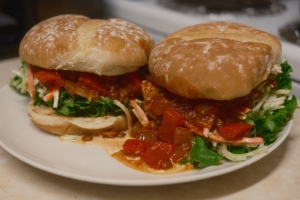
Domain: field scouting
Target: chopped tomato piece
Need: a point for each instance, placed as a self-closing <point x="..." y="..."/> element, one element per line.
<point x="205" y="120"/>
<point x="50" y="78"/>
<point x="70" y="75"/>
<point x="147" y="133"/>
<point x="183" y="136"/>
<point x="205" y="107"/>
<point x="235" y="131"/>
<point x="135" y="79"/>
<point x="158" y="153"/>
<point x="134" y="147"/>
<point x="135" y="83"/>
<point x="181" y="152"/>
<point x="159" y="104"/>
<point x="171" y="120"/>
<point x="92" y="82"/>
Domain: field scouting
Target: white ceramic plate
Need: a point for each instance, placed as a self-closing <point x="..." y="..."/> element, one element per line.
<point x="23" y="140"/>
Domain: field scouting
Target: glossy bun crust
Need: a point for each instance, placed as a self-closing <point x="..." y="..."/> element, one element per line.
<point x="75" y="42"/>
<point x="217" y="60"/>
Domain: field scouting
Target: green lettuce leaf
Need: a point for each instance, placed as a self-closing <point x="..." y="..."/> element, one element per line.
<point x="283" y="79"/>
<point x="270" y="123"/>
<point x="77" y="106"/>
<point x="201" y="155"/>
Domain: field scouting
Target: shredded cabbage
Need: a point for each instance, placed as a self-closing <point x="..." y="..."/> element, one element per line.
<point x="56" y="98"/>
<point x="241" y="157"/>
<point x="19" y="82"/>
<point x="127" y="113"/>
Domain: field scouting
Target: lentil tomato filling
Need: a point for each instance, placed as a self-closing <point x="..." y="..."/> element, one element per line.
<point x="92" y="86"/>
<point x="175" y="120"/>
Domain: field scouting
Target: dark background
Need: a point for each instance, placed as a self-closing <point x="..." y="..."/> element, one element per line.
<point x="18" y="16"/>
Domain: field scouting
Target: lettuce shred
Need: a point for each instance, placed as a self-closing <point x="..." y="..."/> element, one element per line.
<point x="19" y="81"/>
<point x="270" y="122"/>
<point x="77" y="106"/>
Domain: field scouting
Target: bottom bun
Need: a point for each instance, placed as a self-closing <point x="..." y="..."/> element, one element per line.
<point x="45" y="118"/>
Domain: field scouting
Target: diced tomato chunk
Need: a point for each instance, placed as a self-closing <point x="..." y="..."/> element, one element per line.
<point x="205" y="107"/>
<point x="135" y="84"/>
<point x="134" y="147"/>
<point x="159" y="104"/>
<point x="50" y="78"/>
<point x="235" y="130"/>
<point x="135" y="79"/>
<point x="171" y="120"/>
<point x="147" y="133"/>
<point x="183" y="136"/>
<point x="205" y="120"/>
<point x="181" y="152"/>
<point x="158" y="153"/>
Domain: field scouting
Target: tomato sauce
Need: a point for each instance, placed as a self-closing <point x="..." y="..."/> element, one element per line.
<point x="138" y="164"/>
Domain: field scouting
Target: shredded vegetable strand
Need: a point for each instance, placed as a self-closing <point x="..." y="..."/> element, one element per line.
<point x="127" y="113"/>
<point x="49" y="96"/>
<point x="56" y="98"/>
<point x="261" y="102"/>
<point x="244" y="156"/>
<point x="283" y="91"/>
<point x="141" y="115"/>
<point x="70" y="138"/>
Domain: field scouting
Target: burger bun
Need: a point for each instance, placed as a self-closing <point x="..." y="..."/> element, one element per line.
<point x="217" y="60"/>
<point x="75" y="42"/>
<point x="45" y="118"/>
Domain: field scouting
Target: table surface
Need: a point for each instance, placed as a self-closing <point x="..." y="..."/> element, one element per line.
<point x="277" y="176"/>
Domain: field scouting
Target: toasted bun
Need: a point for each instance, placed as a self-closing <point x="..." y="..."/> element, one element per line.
<point x="218" y="60"/>
<point x="45" y="118"/>
<point x="75" y="42"/>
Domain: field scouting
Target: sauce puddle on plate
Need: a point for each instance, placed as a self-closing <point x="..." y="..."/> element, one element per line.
<point x="113" y="146"/>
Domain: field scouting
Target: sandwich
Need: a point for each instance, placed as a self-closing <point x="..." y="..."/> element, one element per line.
<point x="81" y="73"/>
<point x="218" y="91"/>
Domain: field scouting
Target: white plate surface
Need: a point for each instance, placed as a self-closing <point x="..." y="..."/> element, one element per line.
<point x="23" y="140"/>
